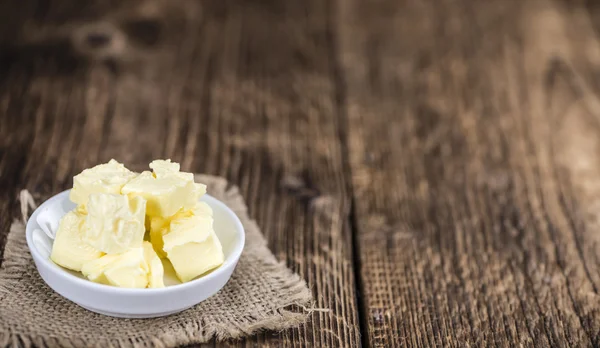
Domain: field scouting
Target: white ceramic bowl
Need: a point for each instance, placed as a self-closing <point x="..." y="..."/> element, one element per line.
<point x="130" y="303"/>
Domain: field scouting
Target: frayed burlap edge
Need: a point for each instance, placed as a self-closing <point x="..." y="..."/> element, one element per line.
<point x="294" y="311"/>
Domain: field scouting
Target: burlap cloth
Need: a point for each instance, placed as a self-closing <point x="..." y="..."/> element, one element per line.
<point x="262" y="294"/>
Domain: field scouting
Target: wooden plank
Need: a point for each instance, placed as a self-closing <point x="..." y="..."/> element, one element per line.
<point x="473" y="130"/>
<point x="243" y="90"/>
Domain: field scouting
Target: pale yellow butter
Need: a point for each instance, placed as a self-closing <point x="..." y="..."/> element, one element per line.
<point x="165" y="194"/>
<point x="103" y="237"/>
<point x="166" y="188"/>
<point x="136" y="268"/>
<point x="159" y="226"/>
<point x="94" y="270"/>
<point x="193" y="259"/>
<point x="69" y="250"/>
<point x="187" y="229"/>
<point x="192" y="245"/>
<point x="166" y="168"/>
<point x="202" y="209"/>
<point x="115" y="223"/>
<point x="103" y="178"/>
<point x="155" y="267"/>
<point x="162" y="167"/>
<point x="125" y="270"/>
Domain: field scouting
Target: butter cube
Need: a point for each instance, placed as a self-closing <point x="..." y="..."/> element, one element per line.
<point x="166" y="189"/>
<point x="164" y="167"/>
<point x="155" y="267"/>
<point x="94" y="270"/>
<point x="126" y="270"/>
<point x="69" y="250"/>
<point x="193" y="259"/>
<point x="125" y="222"/>
<point x="115" y="223"/>
<point x="183" y="230"/>
<point x="103" y="178"/>
<point x="165" y="194"/>
<point x="159" y="226"/>
<point x="192" y="245"/>
<point x="202" y="209"/>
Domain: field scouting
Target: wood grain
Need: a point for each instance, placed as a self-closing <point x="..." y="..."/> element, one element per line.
<point x="473" y="139"/>
<point x="242" y="90"/>
<point x="429" y="167"/>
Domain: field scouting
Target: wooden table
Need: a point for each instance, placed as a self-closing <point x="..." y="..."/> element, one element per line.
<point x="430" y="167"/>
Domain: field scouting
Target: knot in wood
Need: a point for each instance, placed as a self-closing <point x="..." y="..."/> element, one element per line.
<point x="99" y="40"/>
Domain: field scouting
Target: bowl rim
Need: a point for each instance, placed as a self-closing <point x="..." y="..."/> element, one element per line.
<point x="230" y="261"/>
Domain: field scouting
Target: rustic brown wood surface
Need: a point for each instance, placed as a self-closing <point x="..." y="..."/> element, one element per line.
<point x="429" y="167"/>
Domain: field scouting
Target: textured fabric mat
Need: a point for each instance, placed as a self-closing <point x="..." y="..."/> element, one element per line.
<point x="262" y="294"/>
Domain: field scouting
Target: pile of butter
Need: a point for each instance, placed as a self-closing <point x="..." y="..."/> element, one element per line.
<point x="126" y="222"/>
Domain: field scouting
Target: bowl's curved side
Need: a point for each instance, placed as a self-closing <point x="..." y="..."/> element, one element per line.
<point x="128" y="304"/>
<point x="138" y="303"/>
